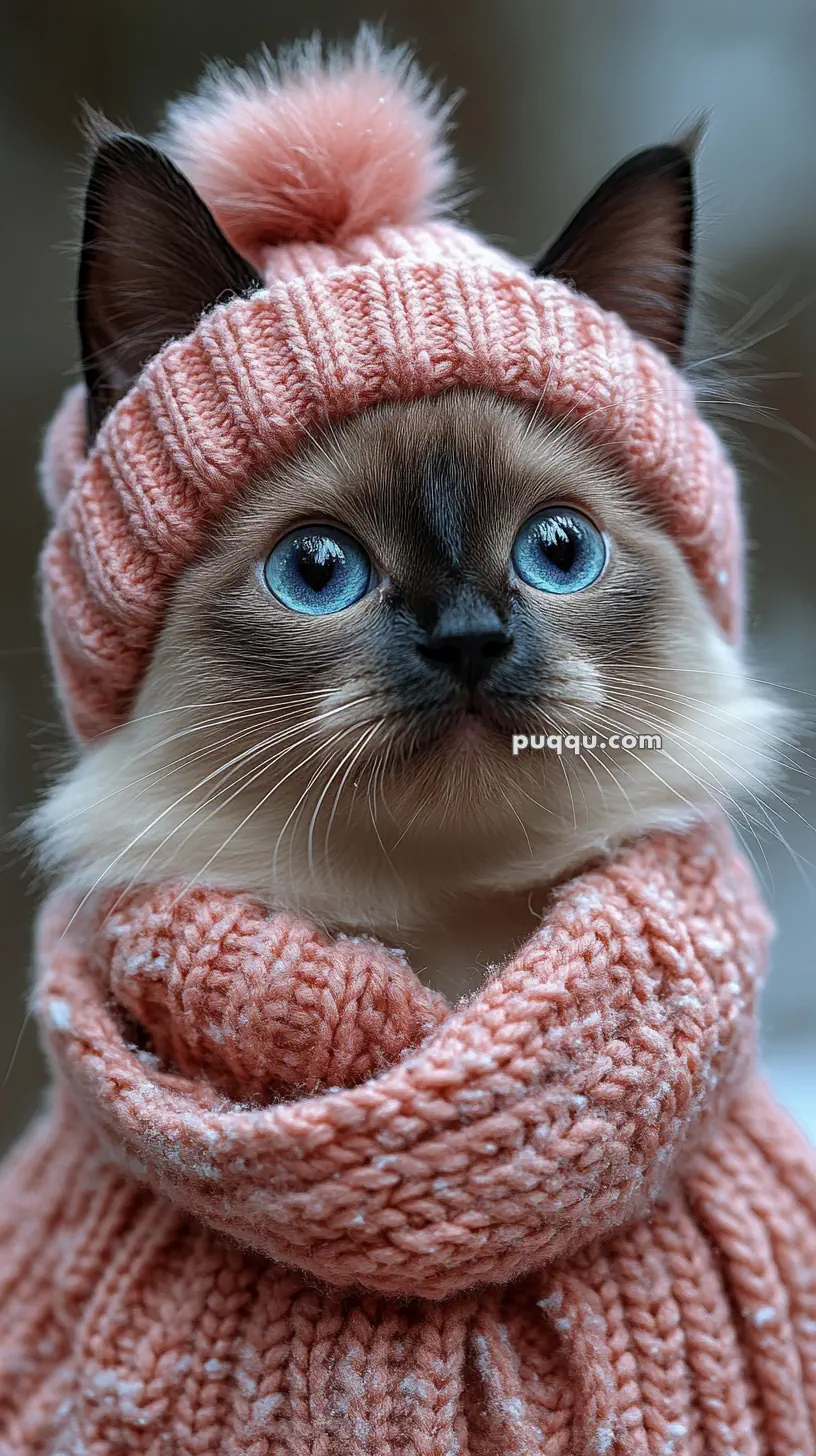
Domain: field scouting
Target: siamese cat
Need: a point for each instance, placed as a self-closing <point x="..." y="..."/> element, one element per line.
<point x="329" y="714"/>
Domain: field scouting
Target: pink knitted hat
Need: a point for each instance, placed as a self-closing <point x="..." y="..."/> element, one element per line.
<point x="331" y="179"/>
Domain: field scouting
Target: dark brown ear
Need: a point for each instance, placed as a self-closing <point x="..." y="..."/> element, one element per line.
<point x="629" y="247"/>
<point x="153" y="261"/>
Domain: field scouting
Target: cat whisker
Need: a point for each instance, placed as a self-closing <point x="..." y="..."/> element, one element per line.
<point x="365" y="740"/>
<point x="246" y="766"/>
<point x="103" y="875"/>
<point x="787" y="319"/>
<point x="153" y="778"/>
<point x="123" y="853"/>
<point x="293" y="817"/>
<point x="517" y="816"/>
<point x="693" y="752"/>
<point x="671" y="789"/>
<point x="718" y="672"/>
<point x="736" y="807"/>
<point x="571" y="795"/>
<point x="255" y="810"/>
<point x="700" y="706"/>
<point x="376" y="783"/>
<point x="261" y="701"/>
<point x="157" y="776"/>
<point x="250" y="777"/>
<point x="220" y="773"/>
<point x="335" y="771"/>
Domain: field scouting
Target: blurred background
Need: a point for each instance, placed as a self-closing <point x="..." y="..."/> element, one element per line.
<point x="556" y="92"/>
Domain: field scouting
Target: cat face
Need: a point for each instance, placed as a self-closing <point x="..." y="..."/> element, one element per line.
<point x="440" y="575"/>
<point x="330" y="711"/>
<point x="458" y="565"/>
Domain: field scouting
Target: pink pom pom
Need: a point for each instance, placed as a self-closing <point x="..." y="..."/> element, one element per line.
<point x="315" y="147"/>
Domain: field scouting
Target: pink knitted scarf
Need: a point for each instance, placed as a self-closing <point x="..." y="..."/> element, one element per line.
<point x="435" y="1224"/>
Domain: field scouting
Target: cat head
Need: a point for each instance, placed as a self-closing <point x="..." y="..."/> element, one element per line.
<point x="365" y="499"/>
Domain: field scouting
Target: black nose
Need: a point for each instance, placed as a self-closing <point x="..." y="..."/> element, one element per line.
<point x="467" y="644"/>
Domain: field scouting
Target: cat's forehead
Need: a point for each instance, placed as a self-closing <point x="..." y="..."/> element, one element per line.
<point x="442" y="476"/>
<point x="445" y="462"/>
<point x="434" y="489"/>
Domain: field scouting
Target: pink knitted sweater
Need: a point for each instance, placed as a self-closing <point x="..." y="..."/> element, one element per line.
<point x="285" y="1201"/>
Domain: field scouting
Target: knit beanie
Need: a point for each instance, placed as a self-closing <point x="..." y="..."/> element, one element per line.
<point x="332" y="180"/>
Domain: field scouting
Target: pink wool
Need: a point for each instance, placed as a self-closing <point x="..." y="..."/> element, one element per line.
<point x="286" y="1201"/>
<point x="306" y="150"/>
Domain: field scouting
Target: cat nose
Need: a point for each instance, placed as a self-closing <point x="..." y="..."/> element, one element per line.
<point x="467" y="644"/>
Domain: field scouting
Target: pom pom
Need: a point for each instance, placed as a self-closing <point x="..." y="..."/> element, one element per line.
<point x="315" y="146"/>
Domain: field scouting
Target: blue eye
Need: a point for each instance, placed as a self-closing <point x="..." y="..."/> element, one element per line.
<point x="318" y="570"/>
<point x="559" y="550"/>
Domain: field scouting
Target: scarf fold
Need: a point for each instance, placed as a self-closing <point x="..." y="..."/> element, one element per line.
<point x="314" y="1102"/>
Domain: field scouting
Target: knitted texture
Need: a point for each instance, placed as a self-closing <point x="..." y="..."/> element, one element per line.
<point x="225" y="1071"/>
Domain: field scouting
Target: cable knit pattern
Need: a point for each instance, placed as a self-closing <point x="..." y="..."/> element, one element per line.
<point x="260" y="1005"/>
<point x="601" y="1230"/>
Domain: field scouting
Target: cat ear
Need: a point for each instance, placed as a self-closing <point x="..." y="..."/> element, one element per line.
<point x="153" y="260"/>
<point x="629" y="246"/>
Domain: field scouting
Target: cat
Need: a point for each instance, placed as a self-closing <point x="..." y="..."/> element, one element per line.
<point x="329" y="715"/>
